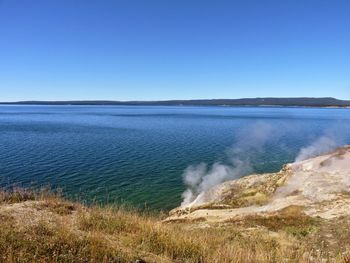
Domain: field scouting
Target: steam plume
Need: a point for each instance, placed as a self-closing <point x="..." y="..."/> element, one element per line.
<point x="199" y="178"/>
<point x="320" y="146"/>
<point x="333" y="137"/>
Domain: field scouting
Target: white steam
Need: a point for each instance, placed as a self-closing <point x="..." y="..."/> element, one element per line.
<point x="199" y="178"/>
<point x="332" y="138"/>
<point x="249" y="143"/>
<point x="320" y="146"/>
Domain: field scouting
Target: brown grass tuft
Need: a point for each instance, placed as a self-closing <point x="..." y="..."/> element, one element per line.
<point x="70" y="232"/>
<point x="291" y="219"/>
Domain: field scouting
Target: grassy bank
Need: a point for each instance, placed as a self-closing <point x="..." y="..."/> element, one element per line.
<point x="43" y="227"/>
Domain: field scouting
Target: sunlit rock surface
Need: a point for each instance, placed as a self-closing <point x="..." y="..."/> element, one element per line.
<point x="320" y="185"/>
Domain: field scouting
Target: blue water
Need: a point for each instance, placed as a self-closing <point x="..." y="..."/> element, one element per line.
<point x="137" y="155"/>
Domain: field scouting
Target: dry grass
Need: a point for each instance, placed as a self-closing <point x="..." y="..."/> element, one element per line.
<point x="291" y="220"/>
<point x="57" y="205"/>
<point x="18" y="194"/>
<point x="70" y="232"/>
<point x="44" y="243"/>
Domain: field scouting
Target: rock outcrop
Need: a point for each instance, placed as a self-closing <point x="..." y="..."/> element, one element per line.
<point x="320" y="186"/>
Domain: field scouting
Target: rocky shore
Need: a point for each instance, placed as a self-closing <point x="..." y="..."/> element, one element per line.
<point x="300" y="214"/>
<point x="320" y="186"/>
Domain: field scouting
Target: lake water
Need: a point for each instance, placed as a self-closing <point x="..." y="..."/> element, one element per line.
<point x="137" y="155"/>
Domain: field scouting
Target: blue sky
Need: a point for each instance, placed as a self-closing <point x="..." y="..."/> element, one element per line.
<point x="173" y="49"/>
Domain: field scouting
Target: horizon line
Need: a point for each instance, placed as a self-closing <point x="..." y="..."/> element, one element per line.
<point x="170" y="100"/>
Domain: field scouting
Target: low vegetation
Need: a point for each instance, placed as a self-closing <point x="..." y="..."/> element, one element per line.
<point x="43" y="227"/>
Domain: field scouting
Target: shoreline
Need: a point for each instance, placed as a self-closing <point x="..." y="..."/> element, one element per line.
<point x="178" y="105"/>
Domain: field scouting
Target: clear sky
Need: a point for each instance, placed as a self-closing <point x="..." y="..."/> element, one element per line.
<point x="173" y="49"/>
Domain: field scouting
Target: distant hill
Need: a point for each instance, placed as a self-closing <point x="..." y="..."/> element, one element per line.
<point x="301" y="102"/>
